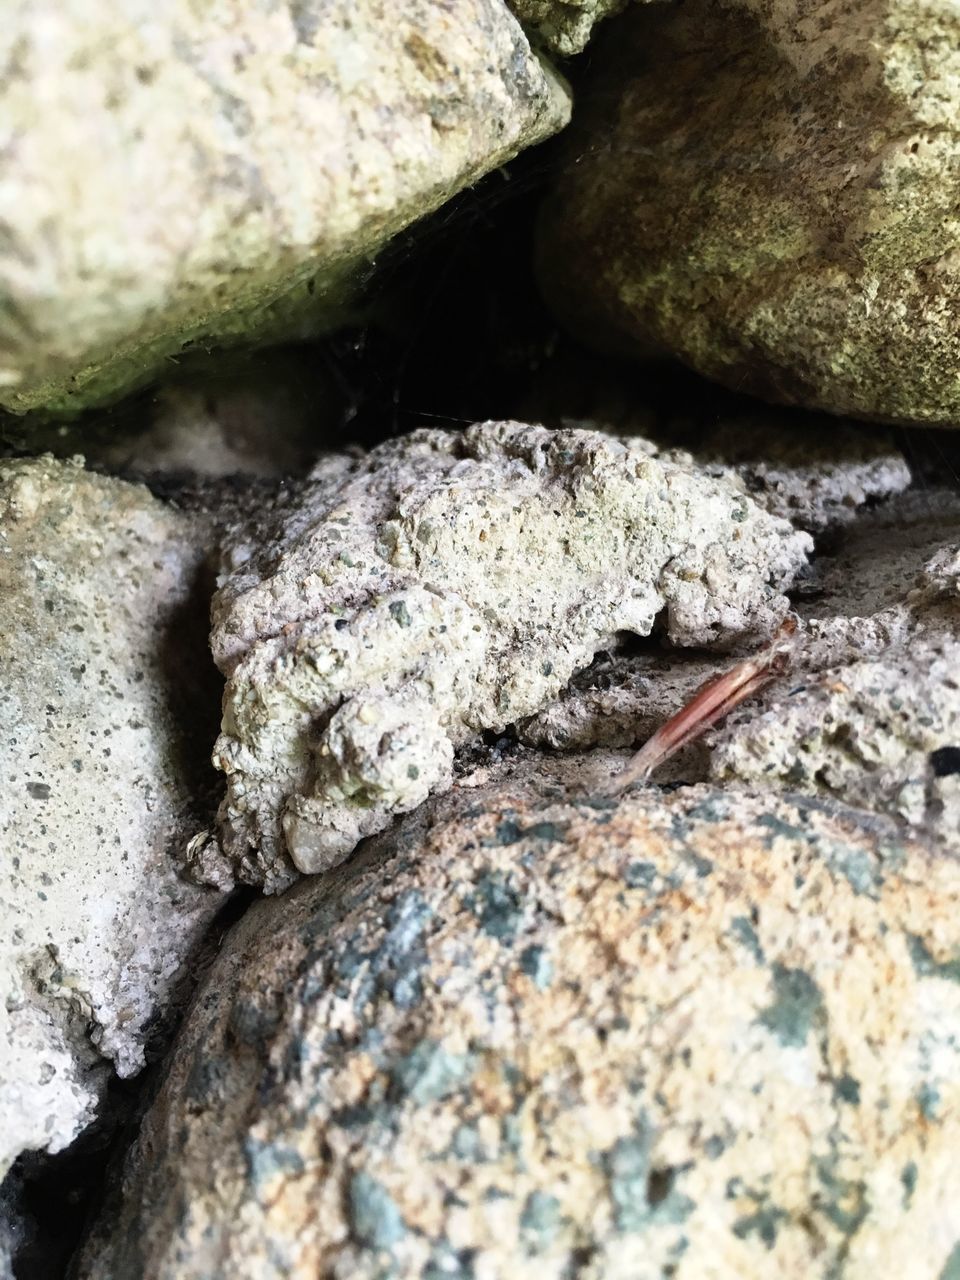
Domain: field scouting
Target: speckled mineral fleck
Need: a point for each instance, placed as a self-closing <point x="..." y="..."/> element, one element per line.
<point x="699" y="1034"/>
<point x="100" y="649"/>
<point x="449" y="583"/>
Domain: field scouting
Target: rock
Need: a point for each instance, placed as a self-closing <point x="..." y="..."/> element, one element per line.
<point x="102" y="705"/>
<point x="445" y="584"/>
<point x="204" y="175"/>
<point x="534" y="1033"/>
<point x="564" y="25"/>
<point x="619" y="700"/>
<point x="869" y="713"/>
<point x="873" y="715"/>
<point x="769" y="191"/>
<point x="256" y="417"/>
<point x="883" y="733"/>
<point x="815" y="474"/>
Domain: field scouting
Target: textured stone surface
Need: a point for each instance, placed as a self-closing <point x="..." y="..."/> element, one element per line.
<point x="770" y="192"/>
<point x="445" y="584"/>
<point x="873" y="713"/>
<point x="101" y="649"/>
<point x="244" y="418"/>
<point x="869" y="712"/>
<point x="564" y="25"/>
<point x="195" y="173"/>
<point x="532" y="1035"/>
<point x="264" y="417"/>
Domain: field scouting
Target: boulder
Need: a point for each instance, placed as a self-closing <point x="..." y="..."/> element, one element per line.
<point x="192" y="175"/>
<point x="105" y="706"/>
<point x="868" y="711"/>
<point x="770" y="192"/>
<point x="564" y="25"/>
<point x="399" y="603"/>
<point x="535" y="1032"/>
<point x="871" y="712"/>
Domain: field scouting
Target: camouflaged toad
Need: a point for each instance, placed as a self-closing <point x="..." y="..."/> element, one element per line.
<point x="445" y="584"/>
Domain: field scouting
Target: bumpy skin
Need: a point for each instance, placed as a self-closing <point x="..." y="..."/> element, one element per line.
<point x="539" y="1036"/>
<point x="869" y="712"/>
<point x="449" y="583"/>
<point x="102" y="696"/>
<point x="192" y="173"/>
<point x="769" y="190"/>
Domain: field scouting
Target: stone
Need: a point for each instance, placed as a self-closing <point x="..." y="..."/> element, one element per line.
<point x="869" y="712"/>
<point x="204" y="175"/>
<point x="812" y="470"/>
<point x="254" y="418"/>
<point x="564" y="26"/>
<point x="400" y="603"/>
<point x="769" y="192"/>
<point x="104" y="699"/>
<point x="872" y="716"/>
<point x="535" y="1032"/>
<point x="817" y="474"/>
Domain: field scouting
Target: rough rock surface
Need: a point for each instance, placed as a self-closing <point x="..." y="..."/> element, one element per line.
<point x="873" y="714"/>
<point x="445" y="584"/>
<point x="244" y="418"/>
<point x="201" y="173"/>
<point x="101" y="654"/>
<point x="532" y="1035"/>
<point x="564" y="25"/>
<point x="770" y="191"/>
<point x="869" y="713"/>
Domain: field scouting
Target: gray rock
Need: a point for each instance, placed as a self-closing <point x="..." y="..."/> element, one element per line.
<point x="445" y="584"/>
<point x="769" y="191"/>
<point x="101" y="646"/>
<point x="564" y="25"/>
<point x="869" y="712"/>
<point x="263" y="418"/>
<point x="189" y="174"/>
<point x="535" y="1033"/>
<point x="243" y="419"/>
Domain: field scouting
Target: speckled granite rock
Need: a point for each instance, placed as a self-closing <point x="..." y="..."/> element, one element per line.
<point x="101" y="649"/>
<point x="188" y="174"/>
<point x="532" y="1035"/>
<point x="564" y="25"/>
<point x="446" y="583"/>
<point x="769" y="191"/>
